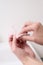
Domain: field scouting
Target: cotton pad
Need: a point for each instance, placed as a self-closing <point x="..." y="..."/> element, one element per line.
<point x="35" y="52"/>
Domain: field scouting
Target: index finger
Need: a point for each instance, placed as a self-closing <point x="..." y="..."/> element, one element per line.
<point x="27" y="24"/>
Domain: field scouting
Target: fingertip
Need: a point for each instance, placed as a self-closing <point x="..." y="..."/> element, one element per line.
<point x="10" y="38"/>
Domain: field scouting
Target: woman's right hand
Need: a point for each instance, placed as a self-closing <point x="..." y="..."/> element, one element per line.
<point x="37" y="29"/>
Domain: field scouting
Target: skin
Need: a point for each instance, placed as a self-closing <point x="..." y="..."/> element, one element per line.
<point x="37" y="29"/>
<point x="22" y="50"/>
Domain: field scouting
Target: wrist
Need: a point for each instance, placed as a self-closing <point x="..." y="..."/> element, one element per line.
<point x="30" y="61"/>
<point x="24" y="60"/>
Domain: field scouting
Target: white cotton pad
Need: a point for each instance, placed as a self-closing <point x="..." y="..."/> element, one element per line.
<point x="35" y="52"/>
<point x="30" y="33"/>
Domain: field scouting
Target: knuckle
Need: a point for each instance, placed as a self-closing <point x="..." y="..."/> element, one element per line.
<point x="37" y="26"/>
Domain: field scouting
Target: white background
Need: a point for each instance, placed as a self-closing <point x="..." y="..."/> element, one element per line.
<point x="13" y="13"/>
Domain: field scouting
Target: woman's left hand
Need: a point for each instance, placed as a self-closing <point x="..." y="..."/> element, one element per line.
<point x="22" y="50"/>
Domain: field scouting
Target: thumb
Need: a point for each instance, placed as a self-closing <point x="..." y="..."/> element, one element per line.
<point x="28" y="38"/>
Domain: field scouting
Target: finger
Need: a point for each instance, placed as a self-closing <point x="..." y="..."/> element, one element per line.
<point x="13" y="45"/>
<point x="25" y="25"/>
<point x="14" y="39"/>
<point x="28" y="38"/>
<point x="31" y="27"/>
<point x="10" y="39"/>
<point x="28" y="28"/>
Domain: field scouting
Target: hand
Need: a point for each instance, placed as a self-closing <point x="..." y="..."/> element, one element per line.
<point x="37" y="29"/>
<point x="31" y="61"/>
<point x="22" y="50"/>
